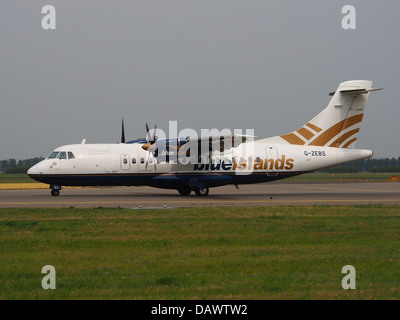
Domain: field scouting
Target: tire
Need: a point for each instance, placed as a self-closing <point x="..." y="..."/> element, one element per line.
<point x="202" y="192"/>
<point x="185" y="191"/>
<point x="55" y="193"/>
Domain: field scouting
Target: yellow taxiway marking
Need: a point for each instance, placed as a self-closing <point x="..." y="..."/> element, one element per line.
<point x="16" y="186"/>
<point x="33" y="185"/>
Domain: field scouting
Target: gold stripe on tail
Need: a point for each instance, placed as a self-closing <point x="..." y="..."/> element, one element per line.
<point x="343" y="138"/>
<point x="305" y="133"/>
<point x="327" y="135"/>
<point x="293" y="139"/>
<point x="349" y="143"/>
<point x="314" y="127"/>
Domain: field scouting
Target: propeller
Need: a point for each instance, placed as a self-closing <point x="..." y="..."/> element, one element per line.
<point x="150" y="146"/>
<point x="152" y="139"/>
<point x="123" y="132"/>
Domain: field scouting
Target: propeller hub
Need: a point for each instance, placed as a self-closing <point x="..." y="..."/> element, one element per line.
<point x="151" y="147"/>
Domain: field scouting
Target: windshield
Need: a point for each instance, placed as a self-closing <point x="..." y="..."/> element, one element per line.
<point x="62" y="155"/>
<point x="53" y="155"/>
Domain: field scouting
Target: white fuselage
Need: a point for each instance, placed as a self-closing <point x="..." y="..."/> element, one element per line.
<point x="129" y="164"/>
<point x="326" y="140"/>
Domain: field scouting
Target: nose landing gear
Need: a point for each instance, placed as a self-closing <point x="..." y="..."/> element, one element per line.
<point x="55" y="190"/>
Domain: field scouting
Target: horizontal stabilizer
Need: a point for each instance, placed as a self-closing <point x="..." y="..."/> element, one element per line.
<point x="356" y="91"/>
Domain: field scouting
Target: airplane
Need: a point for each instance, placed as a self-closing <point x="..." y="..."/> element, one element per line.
<point x="326" y="140"/>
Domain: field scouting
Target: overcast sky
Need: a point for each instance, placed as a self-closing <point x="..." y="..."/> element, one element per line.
<point x="262" y="65"/>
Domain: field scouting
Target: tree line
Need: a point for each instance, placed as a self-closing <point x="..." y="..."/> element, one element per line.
<point x="20" y="166"/>
<point x="366" y="165"/>
<point x="382" y="165"/>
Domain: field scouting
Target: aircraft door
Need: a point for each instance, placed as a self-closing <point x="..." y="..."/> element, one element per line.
<point x="125" y="162"/>
<point x="272" y="161"/>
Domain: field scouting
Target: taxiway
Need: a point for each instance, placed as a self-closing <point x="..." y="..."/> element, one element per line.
<point x="279" y="193"/>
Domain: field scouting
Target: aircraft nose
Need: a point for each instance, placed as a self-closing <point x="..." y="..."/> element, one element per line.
<point x="33" y="170"/>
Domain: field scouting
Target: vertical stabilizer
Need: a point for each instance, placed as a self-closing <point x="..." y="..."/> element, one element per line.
<point x="339" y="123"/>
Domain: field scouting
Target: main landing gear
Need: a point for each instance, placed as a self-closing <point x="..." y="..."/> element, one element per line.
<point x="185" y="191"/>
<point x="55" y="190"/>
<point x="201" y="192"/>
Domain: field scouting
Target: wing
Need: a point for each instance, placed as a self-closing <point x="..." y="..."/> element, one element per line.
<point x="168" y="149"/>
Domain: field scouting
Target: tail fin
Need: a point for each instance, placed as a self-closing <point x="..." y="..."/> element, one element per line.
<point x="339" y="123"/>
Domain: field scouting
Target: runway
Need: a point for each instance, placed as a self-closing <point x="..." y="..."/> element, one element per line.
<point x="276" y="193"/>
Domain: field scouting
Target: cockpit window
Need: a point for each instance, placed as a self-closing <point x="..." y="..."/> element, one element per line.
<point x="62" y="155"/>
<point x="54" y="155"/>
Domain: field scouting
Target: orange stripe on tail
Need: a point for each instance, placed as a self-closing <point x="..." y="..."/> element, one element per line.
<point x="327" y="135"/>
<point x="343" y="138"/>
<point x="293" y="139"/>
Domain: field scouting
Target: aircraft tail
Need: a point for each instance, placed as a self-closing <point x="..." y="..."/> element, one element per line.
<point x="339" y="123"/>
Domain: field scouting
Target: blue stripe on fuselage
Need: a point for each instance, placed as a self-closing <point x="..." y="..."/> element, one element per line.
<point x="167" y="180"/>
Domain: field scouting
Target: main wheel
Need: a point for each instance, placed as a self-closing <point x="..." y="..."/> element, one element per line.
<point x="55" y="192"/>
<point x="185" y="191"/>
<point x="202" y="192"/>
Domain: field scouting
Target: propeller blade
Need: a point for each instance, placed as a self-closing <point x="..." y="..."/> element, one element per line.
<point x="153" y="162"/>
<point x="123" y="132"/>
<point x="154" y="135"/>
<point x="150" y="138"/>
<point x="147" y="131"/>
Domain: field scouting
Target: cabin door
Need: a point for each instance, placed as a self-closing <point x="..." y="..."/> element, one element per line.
<point x="125" y="161"/>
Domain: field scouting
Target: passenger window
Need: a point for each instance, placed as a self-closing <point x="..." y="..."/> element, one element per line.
<point x="63" y="155"/>
<point x="141" y="160"/>
<point x="150" y="160"/>
<point x="258" y="159"/>
<point x="125" y="160"/>
<point x="133" y="160"/>
<point x="70" y="155"/>
<point x="54" y="155"/>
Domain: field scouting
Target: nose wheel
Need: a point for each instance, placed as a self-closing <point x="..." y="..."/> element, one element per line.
<point x="55" y="190"/>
